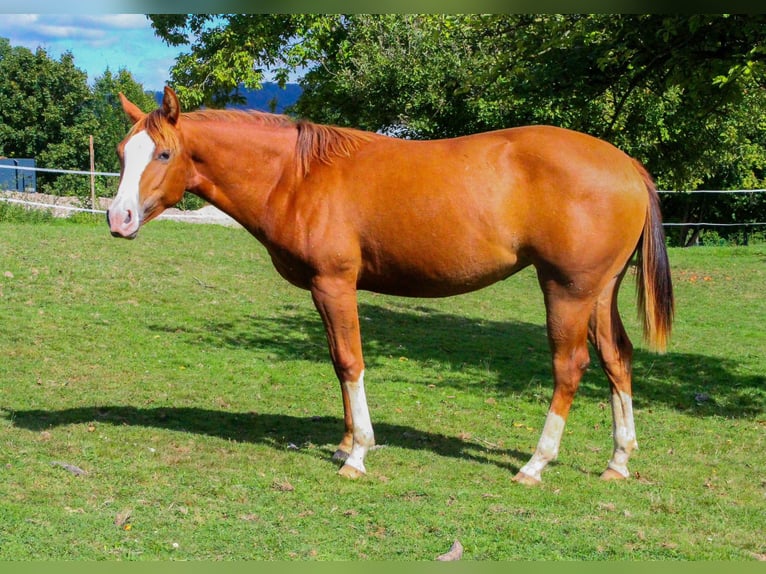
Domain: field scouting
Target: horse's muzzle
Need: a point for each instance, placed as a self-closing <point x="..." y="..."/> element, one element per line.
<point x="126" y="229"/>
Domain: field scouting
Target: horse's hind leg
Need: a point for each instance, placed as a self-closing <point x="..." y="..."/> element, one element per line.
<point x="567" y="322"/>
<point x="608" y="336"/>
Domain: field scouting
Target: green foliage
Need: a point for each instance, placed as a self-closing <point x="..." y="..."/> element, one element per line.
<point x="193" y="386"/>
<point x="11" y="213"/>
<point x="113" y="123"/>
<point x="233" y="49"/>
<point x="14" y="213"/>
<point x="401" y="74"/>
<point x="682" y="93"/>
<point x="44" y="110"/>
<point x="48" y="112"/>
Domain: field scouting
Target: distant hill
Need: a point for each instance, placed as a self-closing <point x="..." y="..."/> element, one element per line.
<point x="270" y="98"/>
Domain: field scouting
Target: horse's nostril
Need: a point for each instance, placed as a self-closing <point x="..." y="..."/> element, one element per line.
<point x="128" y="217"/>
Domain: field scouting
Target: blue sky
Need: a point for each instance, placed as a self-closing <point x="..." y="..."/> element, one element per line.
<point x="97" y="42"/>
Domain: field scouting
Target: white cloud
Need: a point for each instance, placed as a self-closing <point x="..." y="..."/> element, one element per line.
<point x="44" y="28"/>
<point x="12" y="20"/>
<point x="118" y="21"/>
<point x="97" y="42"/>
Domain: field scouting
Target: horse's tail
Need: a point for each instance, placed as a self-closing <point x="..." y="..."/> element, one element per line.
<point x="654" y="285"/>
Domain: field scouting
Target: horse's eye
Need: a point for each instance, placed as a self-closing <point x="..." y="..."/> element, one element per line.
<point x="164" y="156"/>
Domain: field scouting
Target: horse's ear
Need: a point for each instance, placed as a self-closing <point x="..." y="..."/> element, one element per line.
<point x="131" y="109"/>
<point x="170" y="106"/>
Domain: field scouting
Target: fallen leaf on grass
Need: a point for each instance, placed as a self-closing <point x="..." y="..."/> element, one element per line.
<point x="455" y="553"/>
<point x="76" y="470"/>
<point x="122" y="520"/>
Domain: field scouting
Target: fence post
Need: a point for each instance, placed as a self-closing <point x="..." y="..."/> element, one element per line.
<point x="92" y="175"/>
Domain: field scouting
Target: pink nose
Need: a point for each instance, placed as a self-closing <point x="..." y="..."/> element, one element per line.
<point x="122" y="223"/>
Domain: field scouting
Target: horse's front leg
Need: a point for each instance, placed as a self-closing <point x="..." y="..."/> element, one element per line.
<point x="335" y="299"/>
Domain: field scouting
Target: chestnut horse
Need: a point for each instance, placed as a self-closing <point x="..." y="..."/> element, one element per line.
<point x="341" y="210"/>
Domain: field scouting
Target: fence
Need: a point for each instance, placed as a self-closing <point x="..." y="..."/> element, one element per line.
<point x="719" y="191"/>
<point x="110" y="174"/>
<point x="16" y="198"/>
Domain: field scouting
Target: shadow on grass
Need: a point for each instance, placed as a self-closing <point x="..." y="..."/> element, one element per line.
<point x="471" y="354"/>
<point x="275" y="430"/>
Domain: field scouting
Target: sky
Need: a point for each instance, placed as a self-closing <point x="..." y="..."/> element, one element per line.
<point x="97" y="42"/>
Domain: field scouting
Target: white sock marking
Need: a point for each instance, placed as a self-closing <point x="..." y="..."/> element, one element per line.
<point x="547" y="447"/>
<point x="624" y="431"/>
<point x="364" y="437"/>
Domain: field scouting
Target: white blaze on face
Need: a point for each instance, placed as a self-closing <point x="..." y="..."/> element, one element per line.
<point x="124" y="213"/>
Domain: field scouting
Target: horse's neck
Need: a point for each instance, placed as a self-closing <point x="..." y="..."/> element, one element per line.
<point x="238" y="166"/>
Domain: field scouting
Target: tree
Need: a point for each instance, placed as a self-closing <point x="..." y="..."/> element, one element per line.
<point x="113" y="124"/>
<point x="662" y="87"/>
<point x="402" y="74"/>
<point x="44" y="111"/>
<point x="682" y="93"/>
<point x="233" y="49"/>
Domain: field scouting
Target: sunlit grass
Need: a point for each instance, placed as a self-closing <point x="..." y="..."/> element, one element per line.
<point x="193" y="387"/>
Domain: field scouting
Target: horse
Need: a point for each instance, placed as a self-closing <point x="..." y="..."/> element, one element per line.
<point x="341" y="210"/>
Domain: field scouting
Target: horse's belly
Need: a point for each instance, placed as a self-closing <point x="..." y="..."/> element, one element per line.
<point x="432" y="276"/>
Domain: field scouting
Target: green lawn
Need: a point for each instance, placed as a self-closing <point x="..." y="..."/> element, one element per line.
<point x="193" y="388"/>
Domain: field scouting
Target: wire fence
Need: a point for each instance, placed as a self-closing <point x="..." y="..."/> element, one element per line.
<point x="702" y="224"/>
<point x="63" y="171"/>
<point x="14" y="197"/>
<point x="191" y="216"/>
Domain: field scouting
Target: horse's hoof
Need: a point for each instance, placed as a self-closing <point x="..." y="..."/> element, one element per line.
<point x="349" y="471"/>
<point x="611" y="474"/>
<point x="340" y="455"/>
<point x="525" y="479"/>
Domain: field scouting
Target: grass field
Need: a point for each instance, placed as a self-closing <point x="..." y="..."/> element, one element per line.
<point x="171" y="398"/>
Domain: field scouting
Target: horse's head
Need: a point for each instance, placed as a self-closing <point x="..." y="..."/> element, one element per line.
<point x="154" y="167"/>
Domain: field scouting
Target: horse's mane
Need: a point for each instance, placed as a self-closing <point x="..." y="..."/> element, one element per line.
<point x="316" y="142"/>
